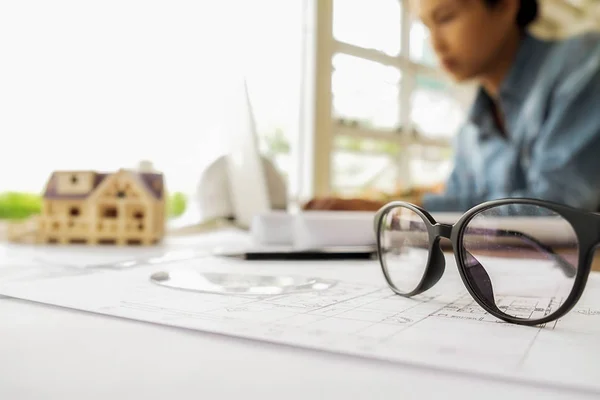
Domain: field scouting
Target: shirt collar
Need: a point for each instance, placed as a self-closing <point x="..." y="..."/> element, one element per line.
<point x="524" y="69"/>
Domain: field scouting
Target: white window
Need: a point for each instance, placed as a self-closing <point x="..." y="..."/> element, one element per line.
<point x="390" y="111"/>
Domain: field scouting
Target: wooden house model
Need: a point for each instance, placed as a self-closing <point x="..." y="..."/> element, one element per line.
<point x="123" y="208"/>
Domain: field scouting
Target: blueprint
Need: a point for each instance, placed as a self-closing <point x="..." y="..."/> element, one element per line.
<point x="358" y="316"/>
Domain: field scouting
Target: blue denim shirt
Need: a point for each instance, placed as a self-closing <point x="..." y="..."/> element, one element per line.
<point x="551" y="106"/>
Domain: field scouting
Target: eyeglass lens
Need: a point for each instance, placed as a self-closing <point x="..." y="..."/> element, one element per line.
<point x="404" y="248"/>
<point x="510" y="258"/>
<point x="530" y="255"/>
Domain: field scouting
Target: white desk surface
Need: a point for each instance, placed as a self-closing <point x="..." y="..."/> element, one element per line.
<point x="53" y="353"/>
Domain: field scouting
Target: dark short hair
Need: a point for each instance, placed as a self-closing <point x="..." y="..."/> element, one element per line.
<point x="528" y="11"/>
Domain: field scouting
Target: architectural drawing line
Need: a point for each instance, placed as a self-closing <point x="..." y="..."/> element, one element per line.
<point x="357" y="319"/>
<point x="346" y="300"/>
<point x="337" y="304"/>
<point x="423" y="318"/>
<point x="529" y="347"/>
<point x="418" y="303"/>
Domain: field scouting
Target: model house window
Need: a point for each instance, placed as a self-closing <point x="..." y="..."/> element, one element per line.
<point x="110" y="212"/>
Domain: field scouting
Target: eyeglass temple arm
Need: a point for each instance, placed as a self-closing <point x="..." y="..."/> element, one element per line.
<point x="568" y="268"/>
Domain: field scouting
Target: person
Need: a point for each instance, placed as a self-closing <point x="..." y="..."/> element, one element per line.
<point x="533" y="129"/>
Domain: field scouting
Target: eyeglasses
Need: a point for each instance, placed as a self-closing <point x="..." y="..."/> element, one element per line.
<point x="524" y="261"/>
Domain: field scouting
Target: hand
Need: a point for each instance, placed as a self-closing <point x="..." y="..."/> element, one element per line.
<point x="343" y="204"/>
<point x="355" y="204"/>
<point x="416" y="199"/>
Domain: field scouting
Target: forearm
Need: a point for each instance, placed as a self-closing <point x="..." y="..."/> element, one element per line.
<point x="571" y="194"/>
<point x="449" y="203"/>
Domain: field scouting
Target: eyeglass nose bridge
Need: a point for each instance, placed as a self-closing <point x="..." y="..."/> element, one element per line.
<point x="442" y="230"/>
<point x="476" y="273"/>
<point x="437" y="263"/>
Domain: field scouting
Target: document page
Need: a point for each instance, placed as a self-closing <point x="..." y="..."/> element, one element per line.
<point x="30" y="262"/>
<point x="358" y="316"/>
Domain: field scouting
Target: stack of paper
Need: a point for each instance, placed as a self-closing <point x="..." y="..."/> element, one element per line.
<point x="314" y="229"/>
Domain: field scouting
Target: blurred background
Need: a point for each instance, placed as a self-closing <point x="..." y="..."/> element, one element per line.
<point x="347" y="94"/>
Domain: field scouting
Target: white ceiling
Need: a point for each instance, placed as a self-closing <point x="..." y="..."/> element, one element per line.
<point x="566" y="17"/>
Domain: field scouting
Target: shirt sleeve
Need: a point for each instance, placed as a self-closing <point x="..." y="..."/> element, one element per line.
<point x="564" y="161"/>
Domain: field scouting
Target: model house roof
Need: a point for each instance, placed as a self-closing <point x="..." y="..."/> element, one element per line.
<point x="151" y="181"/>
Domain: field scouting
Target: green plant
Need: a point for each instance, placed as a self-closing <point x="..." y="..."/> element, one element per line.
<point x="276" y="142"/>
<point x="19" y="205"/>
<point x="176" y="204"/>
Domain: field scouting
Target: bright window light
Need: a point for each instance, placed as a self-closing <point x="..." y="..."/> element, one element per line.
<point x="373" y="24"/>
<point x="104" y="85"/>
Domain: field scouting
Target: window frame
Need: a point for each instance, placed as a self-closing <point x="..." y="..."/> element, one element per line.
<point x="320" y="126"/>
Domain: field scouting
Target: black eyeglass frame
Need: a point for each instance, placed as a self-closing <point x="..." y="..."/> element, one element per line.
<point x="585" y="224"/>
